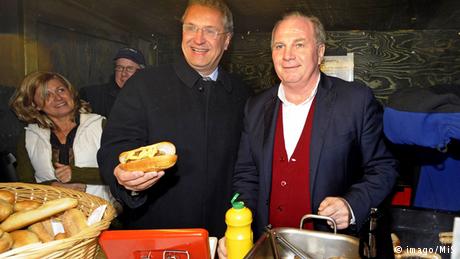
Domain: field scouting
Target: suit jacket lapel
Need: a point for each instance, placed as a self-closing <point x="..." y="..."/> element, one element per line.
<point x="324" y="103"/>
<point x="270" y="115"/>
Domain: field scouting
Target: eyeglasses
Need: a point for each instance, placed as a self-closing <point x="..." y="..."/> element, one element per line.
<point x="208" y="32"/>
<point x="129" y="69"/>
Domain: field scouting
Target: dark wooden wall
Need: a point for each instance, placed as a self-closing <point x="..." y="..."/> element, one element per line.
<point x="65" y="37"/>
<point x="385" y="61"/>
<point x="60" y="36"/>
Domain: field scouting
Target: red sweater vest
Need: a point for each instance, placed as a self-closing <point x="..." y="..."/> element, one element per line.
<point x="290" y="191"/>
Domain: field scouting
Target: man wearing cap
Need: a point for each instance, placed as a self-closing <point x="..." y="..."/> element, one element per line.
<point x="101" y="97"/>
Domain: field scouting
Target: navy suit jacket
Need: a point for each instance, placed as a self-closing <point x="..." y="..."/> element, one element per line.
<point x="348" y="156"/>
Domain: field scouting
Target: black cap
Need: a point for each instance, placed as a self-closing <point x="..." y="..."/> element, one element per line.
<point x="131" y="54"/>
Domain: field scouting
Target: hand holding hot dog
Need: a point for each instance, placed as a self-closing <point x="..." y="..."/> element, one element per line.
<point x="136" y="180"/>
<point x="141" y="168"/>
<point x="156" y="157"/>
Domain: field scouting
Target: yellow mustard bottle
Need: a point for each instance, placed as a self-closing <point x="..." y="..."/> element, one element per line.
<point x="238" y="237"/>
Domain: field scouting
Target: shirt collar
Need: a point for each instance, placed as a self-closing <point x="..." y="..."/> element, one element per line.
<point x="213" y="75"/>
<point x="190" y="77"/>
<point x="282" y="94"/>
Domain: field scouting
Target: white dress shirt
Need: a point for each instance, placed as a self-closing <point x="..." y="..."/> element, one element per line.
<point x="294" y="118"/>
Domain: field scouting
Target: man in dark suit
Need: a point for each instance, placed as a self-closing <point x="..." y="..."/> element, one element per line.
<point x="194" y="104"/>
<point x="314" y="143"/>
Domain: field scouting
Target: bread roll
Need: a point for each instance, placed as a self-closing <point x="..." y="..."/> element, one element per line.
<point x="42" y="232"/>
<point x="156" y="157"/>
<point x="6" y="242"/>
<point x="5" y="210"/>
<point x="23" y="237"/>
<point x="60" y="236"/>
<point x="48" y="225"/>
<point x="7" y="196"/>
<point x="25" y="218"/>
<point x="73" y="221"/>
<point x="26" y="205"/>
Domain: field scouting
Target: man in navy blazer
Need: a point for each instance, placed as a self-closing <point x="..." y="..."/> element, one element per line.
<point x="350" y="168"/>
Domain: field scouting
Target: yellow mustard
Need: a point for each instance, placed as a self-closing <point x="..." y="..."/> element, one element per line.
<point x="238" y="236"/>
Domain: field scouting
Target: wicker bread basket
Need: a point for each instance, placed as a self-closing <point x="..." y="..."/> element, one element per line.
<point x="82" y="245"/>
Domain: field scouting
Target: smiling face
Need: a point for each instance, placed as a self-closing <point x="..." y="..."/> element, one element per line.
<point x="57" y="101"/>
<point x="124" y="69"/>
<point x="202" y="52"/>
<point x="295" y="52"/>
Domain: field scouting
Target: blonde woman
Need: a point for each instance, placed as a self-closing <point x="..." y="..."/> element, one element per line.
<point x="61" y="139"/>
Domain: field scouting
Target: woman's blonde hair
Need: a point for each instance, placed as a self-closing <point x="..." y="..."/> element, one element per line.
<point x="22" y="101"/>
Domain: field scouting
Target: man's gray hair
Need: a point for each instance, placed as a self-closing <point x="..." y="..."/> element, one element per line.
<point x="320" y="33"/>
<point x="227" y="17"/>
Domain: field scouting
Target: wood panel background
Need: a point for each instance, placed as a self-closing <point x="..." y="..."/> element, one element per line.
<point x="41" y="35"/>
<point x="85" y="58"/>
<point x="385" y="61"/>
<point x="65" y="37"/>
<point x="81" y="58"/>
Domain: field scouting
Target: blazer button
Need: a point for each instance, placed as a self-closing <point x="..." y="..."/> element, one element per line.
<point x="283" y="183"/>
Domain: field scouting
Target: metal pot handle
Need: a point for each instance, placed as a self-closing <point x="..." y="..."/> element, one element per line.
<point x="313" y="216"/>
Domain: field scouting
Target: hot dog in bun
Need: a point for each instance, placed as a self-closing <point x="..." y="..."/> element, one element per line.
<point x="156" y="157"/>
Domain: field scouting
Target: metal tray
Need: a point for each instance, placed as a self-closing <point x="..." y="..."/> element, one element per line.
<point x="292" y="243"/>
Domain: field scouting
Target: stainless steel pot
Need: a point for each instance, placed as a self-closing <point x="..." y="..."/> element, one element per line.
<point x="292" y="243"/>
